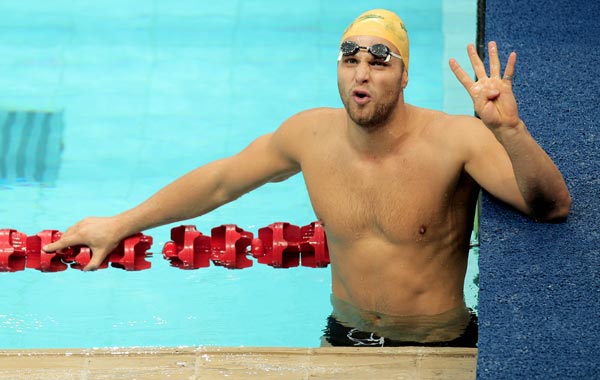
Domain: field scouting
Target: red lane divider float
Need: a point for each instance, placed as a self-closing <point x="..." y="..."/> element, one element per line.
<point x="280" y="245"/>
<point x="18" y="251"/>
<point x="13" y="250"/>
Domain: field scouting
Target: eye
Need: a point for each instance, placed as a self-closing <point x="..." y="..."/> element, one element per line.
<point x="350" y="60"/>
<point x="379" y="63"/>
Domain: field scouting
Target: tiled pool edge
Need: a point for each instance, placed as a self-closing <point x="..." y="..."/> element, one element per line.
<point x="413" y="363"/>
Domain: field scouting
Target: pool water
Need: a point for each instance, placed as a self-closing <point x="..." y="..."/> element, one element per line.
<point x="140" y="92"/>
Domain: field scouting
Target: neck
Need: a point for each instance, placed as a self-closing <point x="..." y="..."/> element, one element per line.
<point x="382" y="139"/>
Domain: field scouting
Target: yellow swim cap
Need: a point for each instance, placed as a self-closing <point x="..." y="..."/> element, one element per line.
<point x="381" y="23"/>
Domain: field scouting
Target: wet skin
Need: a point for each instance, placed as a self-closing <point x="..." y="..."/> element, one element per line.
<point x="394" y="185"/>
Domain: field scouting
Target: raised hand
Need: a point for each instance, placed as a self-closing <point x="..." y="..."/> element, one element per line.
<point x="493" y="98"/>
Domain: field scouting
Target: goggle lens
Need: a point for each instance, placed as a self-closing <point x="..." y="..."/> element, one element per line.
<point x="379" y="51"/>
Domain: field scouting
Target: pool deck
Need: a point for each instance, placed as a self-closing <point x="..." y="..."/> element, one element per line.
<point x="191" y="363"/>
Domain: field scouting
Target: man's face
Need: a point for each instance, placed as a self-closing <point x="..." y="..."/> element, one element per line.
<point x="369" y="87"/>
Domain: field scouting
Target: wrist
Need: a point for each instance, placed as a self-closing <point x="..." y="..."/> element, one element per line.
<point x="511" y="131"/>
<point x="122" y="225"/>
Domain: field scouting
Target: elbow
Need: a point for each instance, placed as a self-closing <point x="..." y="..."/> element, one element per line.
<point x="556" y="215"/>
<point x="556" y="211"/>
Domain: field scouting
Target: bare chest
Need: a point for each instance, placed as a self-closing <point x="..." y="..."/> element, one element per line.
<point x="403" y="198"/>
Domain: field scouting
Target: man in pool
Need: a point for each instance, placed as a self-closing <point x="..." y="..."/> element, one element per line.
<point x="394" y="185"/>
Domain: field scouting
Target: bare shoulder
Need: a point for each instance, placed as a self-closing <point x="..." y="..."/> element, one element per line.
<point x="465" y="123"/>
<point x="452" y="124"/>
<point x="312" y="120"/>
<point x="461" y="131"/>
<point x="472" y="134"/>
<point x="302" y="130"/>
<point x="458" y="138"/>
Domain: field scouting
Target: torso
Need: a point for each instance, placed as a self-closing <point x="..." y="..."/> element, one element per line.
<point x="398" y="225"/>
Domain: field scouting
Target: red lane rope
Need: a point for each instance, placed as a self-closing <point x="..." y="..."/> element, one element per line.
<point x="280" y="245"/>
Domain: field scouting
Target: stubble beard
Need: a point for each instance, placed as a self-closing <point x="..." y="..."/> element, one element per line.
<point x="376" y="118"/>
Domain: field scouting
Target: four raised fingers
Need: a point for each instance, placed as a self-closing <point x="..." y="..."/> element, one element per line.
<point x="479" y="67"/>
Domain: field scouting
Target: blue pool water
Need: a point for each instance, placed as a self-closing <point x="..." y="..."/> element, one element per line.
<point x="140" y="92"/>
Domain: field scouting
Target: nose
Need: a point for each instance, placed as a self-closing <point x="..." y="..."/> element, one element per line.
<point x="363" y="72"/>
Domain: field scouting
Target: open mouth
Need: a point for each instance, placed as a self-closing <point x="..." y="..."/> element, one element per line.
<point x="361" y="96"/>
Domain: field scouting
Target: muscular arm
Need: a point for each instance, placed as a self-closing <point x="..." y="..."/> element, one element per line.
<point x="210" y="186"/>
<point x="516" y="169"/>
<point x="266" y="159"/>
<point x="538" y="178"/>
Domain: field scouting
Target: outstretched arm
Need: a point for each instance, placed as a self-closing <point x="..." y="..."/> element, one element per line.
<point x="539" y="181"/>
<point x="194" y="194"/>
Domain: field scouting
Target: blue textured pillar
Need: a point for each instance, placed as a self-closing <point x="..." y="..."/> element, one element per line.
<point x="540" y="283"/>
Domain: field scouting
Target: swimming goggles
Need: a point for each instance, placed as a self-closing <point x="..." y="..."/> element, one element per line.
<point x="379" y="51"/>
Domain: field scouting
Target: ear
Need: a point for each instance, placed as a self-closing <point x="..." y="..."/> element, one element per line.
<point x="404" y="78"/>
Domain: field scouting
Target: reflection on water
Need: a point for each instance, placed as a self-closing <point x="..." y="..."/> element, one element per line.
<point x="30" y="146"/>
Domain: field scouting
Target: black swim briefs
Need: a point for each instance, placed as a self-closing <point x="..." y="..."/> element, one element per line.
<point x="339" y="335"/>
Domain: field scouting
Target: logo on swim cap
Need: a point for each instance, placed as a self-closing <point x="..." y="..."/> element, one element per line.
<point x="370" y="15"/>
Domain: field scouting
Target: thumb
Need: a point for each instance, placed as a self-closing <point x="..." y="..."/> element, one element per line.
<point x="491" y="93"/>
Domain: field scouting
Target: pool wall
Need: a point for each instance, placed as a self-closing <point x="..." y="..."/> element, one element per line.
<point x="540" y="285"/>
<point x="402" y="363"/>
